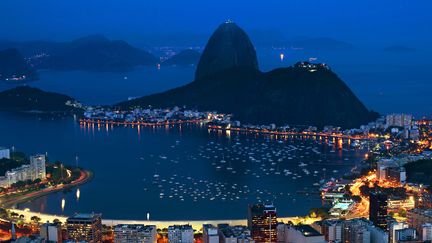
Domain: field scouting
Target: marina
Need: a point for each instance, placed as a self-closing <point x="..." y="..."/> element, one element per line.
<point x="179" y="171"/>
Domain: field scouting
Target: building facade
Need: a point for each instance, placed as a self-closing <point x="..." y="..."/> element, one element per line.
<point x="210" y="234"/>
<point x="426" y="233"/>
<point x="135" y="233"/>
<point x="331" y="229"/>
<point x="378" y="209"/>
<point x="393" y="227"/>
<point x="37" y="164"/>
<point x="262" y="222"/>
<point x="22" y="173"/>
<point x="85" y="227"/>
<point x="51" y="232"/>
<point x="180" y="234"/>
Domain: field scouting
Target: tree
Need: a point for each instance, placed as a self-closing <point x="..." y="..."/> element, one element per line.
<point x="319" y="212"/>
<point x="3" y="213"/>
<point x="347" y="188"/>
<point x="35" y="219"/>
<point x="402" y="212"/>
<point x="356" y="198"/>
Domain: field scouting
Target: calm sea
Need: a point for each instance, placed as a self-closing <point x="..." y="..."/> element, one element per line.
<point x="189" y="172"/>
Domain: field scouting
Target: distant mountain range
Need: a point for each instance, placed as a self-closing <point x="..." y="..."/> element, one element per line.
<point x="261" y="39"/>
<point x="184" y="58"/>
<point x="98" y="53"/>
<point x="28" y="99"/>
<point x="228" y="80"/>
<point x="91" y="53"/>
<point x="14" y="67"/>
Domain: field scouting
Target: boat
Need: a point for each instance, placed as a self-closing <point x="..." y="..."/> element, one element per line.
<point x="302" y="164"/>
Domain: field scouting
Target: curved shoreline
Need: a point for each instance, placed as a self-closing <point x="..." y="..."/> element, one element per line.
<point x="86" y="176"/>
<point x="9" y="203"/>
<point x="196" y="224"/>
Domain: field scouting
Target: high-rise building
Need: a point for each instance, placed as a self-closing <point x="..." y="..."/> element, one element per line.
<point x="85" y="227"/>
<point x="4" y="153"/>
<point x="51" y="232"/>
<point x="210" y="234"/>
<point x="378" y="209"/>
<point x="417" y="217"/>
<point x="180" y="234"/>
<point x="135" y="233"/>
<point x="262" y="222"/>
<point x="37" y="164"/>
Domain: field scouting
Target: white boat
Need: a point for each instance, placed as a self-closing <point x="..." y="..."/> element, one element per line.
<point x="302" y="164"/>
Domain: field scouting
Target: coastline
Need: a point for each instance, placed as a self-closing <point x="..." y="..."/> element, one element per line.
<point x="86" y="176"/>
<point x="11" y="201"/>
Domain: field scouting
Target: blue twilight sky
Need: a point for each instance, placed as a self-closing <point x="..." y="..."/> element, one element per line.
<point x="386" y="22"/>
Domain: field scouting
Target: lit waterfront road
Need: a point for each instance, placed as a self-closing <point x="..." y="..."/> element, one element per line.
<point x="362" y="208"/>
<point x="13" y="200"/>
<point x="196" y="224"/>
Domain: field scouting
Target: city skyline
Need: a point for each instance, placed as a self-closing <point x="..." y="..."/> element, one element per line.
<point x="215" y="122"/>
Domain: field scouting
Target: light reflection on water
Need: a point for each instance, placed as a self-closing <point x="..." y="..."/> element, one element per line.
<point x="192" y="182"/>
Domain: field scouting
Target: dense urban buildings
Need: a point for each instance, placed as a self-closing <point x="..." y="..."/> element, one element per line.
<point x="85" y="227"/>
<point x="399" y="120"/>
<point x="262" y="222"/>
<point x="420" y="219"/>
<point x="35" y="170"/>
<point x="192" y="133"/>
